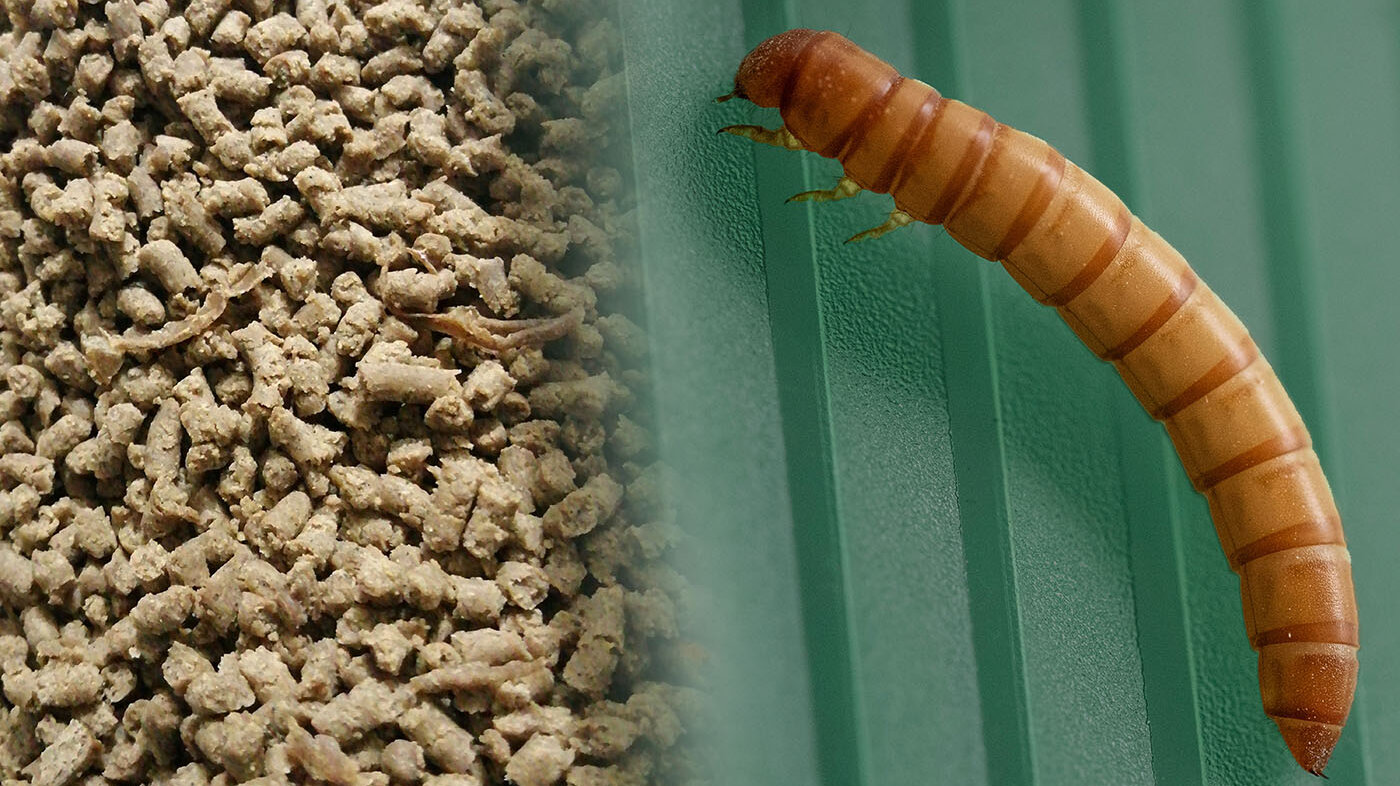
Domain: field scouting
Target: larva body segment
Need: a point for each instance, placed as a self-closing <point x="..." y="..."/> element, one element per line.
<point x="1133" y="300"/>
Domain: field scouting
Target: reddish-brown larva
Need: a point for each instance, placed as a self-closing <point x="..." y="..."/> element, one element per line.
<point x="1073" y="245"/>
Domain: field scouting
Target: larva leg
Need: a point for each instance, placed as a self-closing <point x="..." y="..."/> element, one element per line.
<point x="844" y="188"/>
<point x="777" y="137"/>
<point x="897" y="219"/>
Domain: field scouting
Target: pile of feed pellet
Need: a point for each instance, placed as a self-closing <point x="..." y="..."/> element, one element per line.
<point x="321" y="452"/>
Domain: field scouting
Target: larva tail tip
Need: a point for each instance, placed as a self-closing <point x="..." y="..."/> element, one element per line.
<point x="1310" y="742"/>
<point x="731" y="94"/>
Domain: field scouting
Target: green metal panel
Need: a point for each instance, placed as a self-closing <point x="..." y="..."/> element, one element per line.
<point x="935" y="540"/>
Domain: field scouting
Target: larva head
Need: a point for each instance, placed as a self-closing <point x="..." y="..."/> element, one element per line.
<point x="766" y="70"/>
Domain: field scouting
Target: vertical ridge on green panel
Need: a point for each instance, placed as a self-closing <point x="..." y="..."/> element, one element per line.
<point x="800" y="365"/>
<point x="1064" y="492"/>
<point x="1191" y="143"/>
<point x="1145" y="455"/>
<point x="975" y="424"/>
<point x="1338" y="68"/>
<point x="896" y="494"/>
<point x="1347" y="79"/>
<point x="1290" y="281"/>
<point x="802" y="397"/>
<point x="718" y="421"/>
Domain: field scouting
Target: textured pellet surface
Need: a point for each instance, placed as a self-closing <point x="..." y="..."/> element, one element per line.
<point x="322" y="454"/>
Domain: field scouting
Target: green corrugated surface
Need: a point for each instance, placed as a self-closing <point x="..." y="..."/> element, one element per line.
<point x="935" y="540"/>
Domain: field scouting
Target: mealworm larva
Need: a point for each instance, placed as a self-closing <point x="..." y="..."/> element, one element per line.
<point x="1072" y="244"/>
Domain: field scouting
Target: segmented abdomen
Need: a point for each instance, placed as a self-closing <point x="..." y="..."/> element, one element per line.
<point x="1073" y="245"/>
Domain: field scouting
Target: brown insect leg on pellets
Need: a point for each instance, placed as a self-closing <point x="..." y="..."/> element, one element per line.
<point x="176" y="332"/>
<point x="498" y="335"/>
<point x="1072" y="244"/>
<point x="495" y="335"/>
